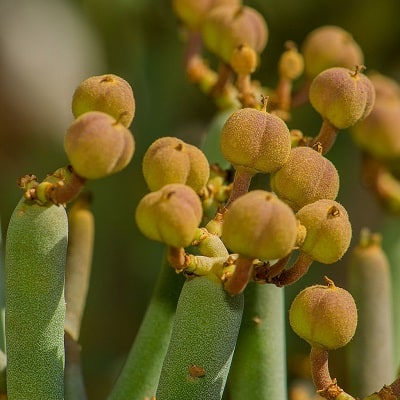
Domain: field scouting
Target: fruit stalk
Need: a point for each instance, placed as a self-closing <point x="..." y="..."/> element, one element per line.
<point x="35" y="308"/>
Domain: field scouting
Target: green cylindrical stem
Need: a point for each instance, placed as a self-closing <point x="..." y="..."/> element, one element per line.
<point x="35" y="308"/>
<point x="391" y="246"/>
<point x="140" y="375"/>
<point x="370" y="353"/>
<point x="259" y="363"/>
<point x="203" y="340"/>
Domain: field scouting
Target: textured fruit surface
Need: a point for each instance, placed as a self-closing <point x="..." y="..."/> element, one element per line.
<point x="324" y="316"/>
<point x="306" y="177"/>
<point x="97" y="145"/>
<point x="35" y="265"/>
<point x="330" y="46"/>
<point x="342" y="96"/>
<point x="170" y="215"/>
<point x="203" y="339"/>
<point x="328" y="230"/>
<point x="107" y="93"/>
<point x="255" y="140"/>
<point x="171" y="160"/>
<point x="259" y="225"/>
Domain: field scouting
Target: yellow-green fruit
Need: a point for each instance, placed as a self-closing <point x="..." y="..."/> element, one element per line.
<point x="328" y="230"/>
<point x="170" y="215"/>
<point x="259" y="225"/>
<point x="171" y="160"/>
<point x="330" y="46"/>
<point x="255" y="140"/>
<point x="324" y="316"/>
<point x="193" y="12"/>
<point x="97" y="145"/>
<point x="306" y="177"/>
<point x="109" y="93"/>
<point x="227" y="27"/>
<point x="341" y="96"/>
<point x="291" y="63"/>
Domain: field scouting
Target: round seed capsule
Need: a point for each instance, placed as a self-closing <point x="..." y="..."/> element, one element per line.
<point x="328" y="230"/>
<point x="108" y="93"/>
<point x="324" y="316"/>
<point x="97" y="145"/>
<point x="259" y="225"/>
<point x="306" y="177"/>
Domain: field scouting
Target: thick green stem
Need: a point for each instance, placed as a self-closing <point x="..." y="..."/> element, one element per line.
<point x="139" y="377"/>
<point x="259" y="363"/>
<point x="370" y="353"/>
<point x="35" y="308"/>
<point x="391" y="246"/>
<point x="203" y="340"/>
<point x="2" y="296"/>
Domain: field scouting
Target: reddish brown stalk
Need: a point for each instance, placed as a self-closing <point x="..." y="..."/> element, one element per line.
<point x="326" y="136"/>
<point x="319" y="368"/>
<point x="293" y="274"/>
<point x="238" y="281"/>
<point x="241" y="184"/>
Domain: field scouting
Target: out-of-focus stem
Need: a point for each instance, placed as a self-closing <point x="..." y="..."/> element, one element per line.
<point x="77" y="277"/>
<point x="140" y="374"/>
<point x="259" y="363"/>
<point x="79" y="263"/>
<point x="370" y="353"/>
<point x="2" y="296"/>
<point x="391" y="246"/>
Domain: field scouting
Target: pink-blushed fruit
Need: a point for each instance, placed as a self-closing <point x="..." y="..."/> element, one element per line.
<point x="193" y="12"/>
<point x="170" y="215"/>
<point x="330" y="46"/>
<point x="97" y="145"/>
<point x="227" y="27"/>
<point x="341" y="96"/>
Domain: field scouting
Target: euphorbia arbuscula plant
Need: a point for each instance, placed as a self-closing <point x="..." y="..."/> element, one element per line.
<point x="254" y="210"/>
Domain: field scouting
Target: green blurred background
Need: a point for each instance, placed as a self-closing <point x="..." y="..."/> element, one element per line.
<point x="47" y="47"/>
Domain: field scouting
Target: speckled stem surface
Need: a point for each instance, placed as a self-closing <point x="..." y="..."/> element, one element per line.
<point x="204" y="335"/>
<point x="35" y="308"/>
